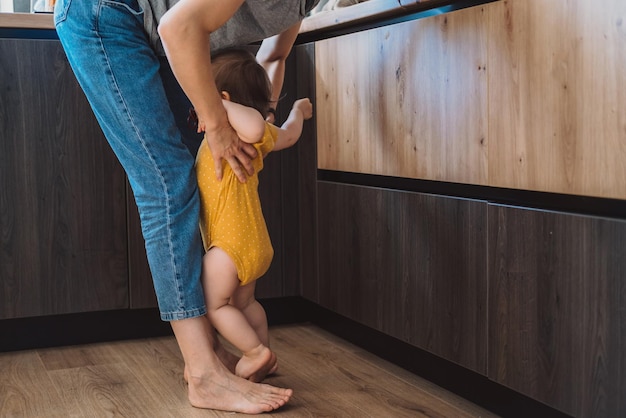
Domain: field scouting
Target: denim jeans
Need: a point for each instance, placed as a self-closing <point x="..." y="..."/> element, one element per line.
<point x="121" y="76"/>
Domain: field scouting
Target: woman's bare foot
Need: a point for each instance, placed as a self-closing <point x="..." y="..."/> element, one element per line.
<point x="256" y="363"/>
<point x="227" y="358"/>
<point x="227" y="392"/>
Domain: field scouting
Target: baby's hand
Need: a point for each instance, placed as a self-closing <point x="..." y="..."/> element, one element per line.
<point x="304" y="106"/>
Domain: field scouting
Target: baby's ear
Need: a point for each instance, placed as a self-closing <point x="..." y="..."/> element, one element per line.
<point x="226" y="95"/>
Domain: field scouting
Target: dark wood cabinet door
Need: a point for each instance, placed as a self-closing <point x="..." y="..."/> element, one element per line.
<point x="63" y="244"/>
<point x="557" y="309"/>
<point x="270" y="193"/>
<point x="410" y="265"/>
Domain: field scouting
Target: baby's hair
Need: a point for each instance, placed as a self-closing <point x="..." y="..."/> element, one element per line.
<point x="237" y="72"/>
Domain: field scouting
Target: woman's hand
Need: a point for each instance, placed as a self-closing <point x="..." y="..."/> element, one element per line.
<point x="225" y="144"/>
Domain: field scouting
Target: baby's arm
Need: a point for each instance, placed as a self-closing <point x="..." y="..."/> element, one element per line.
<point x="246" y="121"/>
<point x="290" y="131"/>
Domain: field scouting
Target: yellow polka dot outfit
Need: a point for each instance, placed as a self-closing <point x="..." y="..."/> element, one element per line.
<point x="231" y="216"/>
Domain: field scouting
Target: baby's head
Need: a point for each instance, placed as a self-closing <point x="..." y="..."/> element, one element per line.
<point x="237" y="72"/>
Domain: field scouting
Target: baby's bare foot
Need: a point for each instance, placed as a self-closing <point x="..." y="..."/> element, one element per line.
<point x="270" y="368"/>
<point x="256" y="363"/>
<point x="273" y="369"/>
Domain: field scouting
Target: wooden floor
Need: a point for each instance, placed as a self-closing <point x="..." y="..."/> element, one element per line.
<point x="143" y="378"/>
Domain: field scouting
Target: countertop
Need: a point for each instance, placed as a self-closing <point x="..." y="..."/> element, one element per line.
<point x="27" y="20"/>
<point x="356" y="13"/>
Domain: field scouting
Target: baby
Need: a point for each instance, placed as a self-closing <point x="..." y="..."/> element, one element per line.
<point x="236" y="240"/>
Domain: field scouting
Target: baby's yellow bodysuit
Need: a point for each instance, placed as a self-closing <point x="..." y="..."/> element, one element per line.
<point x="231" y="216"/>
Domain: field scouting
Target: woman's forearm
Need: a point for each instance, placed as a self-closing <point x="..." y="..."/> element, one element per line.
<point x="272" y="55"/>
<point x="185" y="30"/>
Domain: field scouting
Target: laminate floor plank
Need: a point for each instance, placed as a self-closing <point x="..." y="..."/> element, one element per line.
<point x="159" y="366"/>
<point x="106" y="390"/>
<point x="25" y="388"/>
<point x="144" y="378"/>
<point x="329" y="368"/>
<point x="79" y="356"/>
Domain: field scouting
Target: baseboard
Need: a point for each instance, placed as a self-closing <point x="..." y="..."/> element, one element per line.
<point x="81" y="328"/>
<point x="93" y="327"/>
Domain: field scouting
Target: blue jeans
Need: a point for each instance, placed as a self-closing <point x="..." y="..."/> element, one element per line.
<point x="121" y="77"/>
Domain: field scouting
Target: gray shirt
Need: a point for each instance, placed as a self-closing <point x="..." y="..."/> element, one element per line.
<point x="254" y="21"/>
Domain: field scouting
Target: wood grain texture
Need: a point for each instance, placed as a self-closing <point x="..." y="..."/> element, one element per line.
<point x="62" y="197"/>
<point x="356" y="13"/>
<point x="26" y="20"/>
<point x="516" y="94"/>
<point x="270" y="193"/>
<point x="557" y="96"/>
<point x="25" y="388"/>
<point x="307" y="177"/>
<point x="406" y="100"/>
<point x="144" y="378"/>
<point x="556" y="309"/>
<point x="298" y="173"/>
<point x="410" y="265"/>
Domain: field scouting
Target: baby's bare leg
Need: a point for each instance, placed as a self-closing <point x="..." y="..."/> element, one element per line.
<point x="246" y="302"/>
<point x="219" y="278"/>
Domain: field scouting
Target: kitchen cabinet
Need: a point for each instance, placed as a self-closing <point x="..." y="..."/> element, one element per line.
<point x="71" y="238"/>
<point x="557" y="323"/>
<point x="62" y="192"/>
<point x="415" y="117"/>
<point x="521" y="94"/>
<point x="408" y="264"/>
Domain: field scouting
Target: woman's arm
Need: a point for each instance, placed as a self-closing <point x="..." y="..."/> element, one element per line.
<point x="185" y="30"/>
<point x="272" y="56"/>
<point x="290" y="131"/>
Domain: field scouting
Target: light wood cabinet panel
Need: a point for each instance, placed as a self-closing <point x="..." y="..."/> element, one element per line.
<point x="356" y="13"/>
<point x="522" y="94"/>
<point x="557" y="96"/>
<point x="557" y="323"/>
<point x="63" y="241"/>
<point x="407" y="264"/>
<point x="406" y="100"/>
